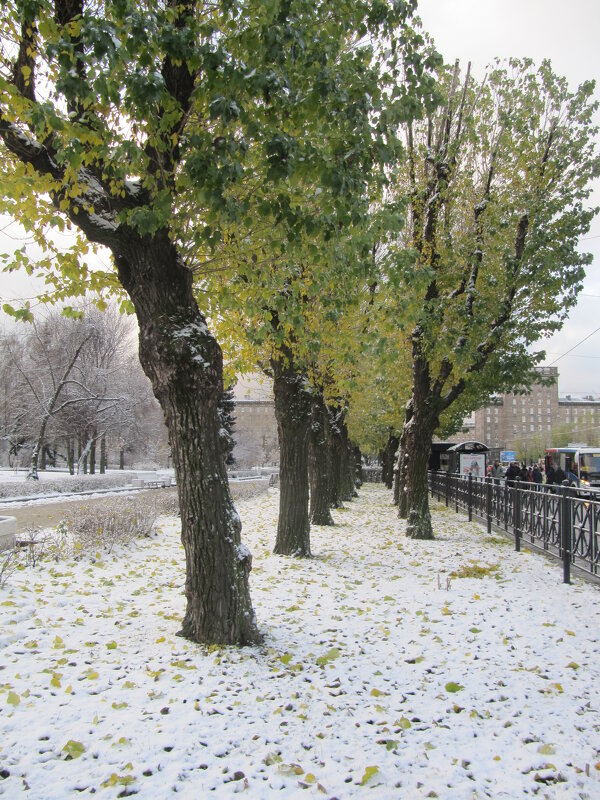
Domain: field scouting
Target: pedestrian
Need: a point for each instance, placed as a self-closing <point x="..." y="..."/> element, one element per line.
<point x="550" y="472"/>
<point x="512" y="474"/>
<point x="497" y="470"/>
<point x="536" y="474"/>
<point x="523" y="473"/>
<point x="559" y="475"/>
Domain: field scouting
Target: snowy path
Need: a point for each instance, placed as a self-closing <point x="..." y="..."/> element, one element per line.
<point x="381" y="675"/>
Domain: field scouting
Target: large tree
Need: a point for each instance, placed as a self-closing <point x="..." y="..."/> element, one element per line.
<point x="131" y="121"/>
<point x="498" y="180"/>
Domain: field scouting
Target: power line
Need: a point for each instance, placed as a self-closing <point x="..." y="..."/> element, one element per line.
<point x="550" y="353"/>
<point x="585" y="338"/>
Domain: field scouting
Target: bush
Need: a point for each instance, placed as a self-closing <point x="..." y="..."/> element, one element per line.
<point x="119" y="520"/>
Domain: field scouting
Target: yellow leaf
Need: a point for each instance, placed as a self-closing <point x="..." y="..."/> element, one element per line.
<point x="13" y="699"/>
<point x="369" y="772"/>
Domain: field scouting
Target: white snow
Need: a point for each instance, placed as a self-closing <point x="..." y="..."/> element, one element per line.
<point x="381" y="676"/>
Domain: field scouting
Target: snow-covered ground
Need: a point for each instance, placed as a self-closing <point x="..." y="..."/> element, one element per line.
<point x="381" y="675"/>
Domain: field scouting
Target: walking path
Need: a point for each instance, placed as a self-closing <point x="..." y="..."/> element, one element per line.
<point x="391" y="668"/>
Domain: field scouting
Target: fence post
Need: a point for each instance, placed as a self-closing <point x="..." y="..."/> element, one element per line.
<point x="488" y="502"/>
<point x="470" y="496"/>
<point x="566" y="532"/>
<point x="447" y="488"/>
<point x="516" y="496"/>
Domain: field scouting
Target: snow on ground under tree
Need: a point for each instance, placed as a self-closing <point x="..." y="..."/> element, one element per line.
<point x="381" y="676"/>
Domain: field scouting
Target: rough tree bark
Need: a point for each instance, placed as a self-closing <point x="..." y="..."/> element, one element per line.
<point x="318" y="464"/>
<point x="293" y="403"/>
<point x="388" y="460"/>
<point x="336" y="460"/>
<point x="401" y="467"/>
<point x="422" y="421"/>
<point x="185" y="365"/>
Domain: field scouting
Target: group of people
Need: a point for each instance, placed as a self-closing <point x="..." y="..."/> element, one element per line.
<point x="525" y="474"/>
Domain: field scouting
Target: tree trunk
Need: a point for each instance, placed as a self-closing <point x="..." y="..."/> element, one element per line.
<point x="336" y="458"/>
<point x="388" y="460"/>
<point x="93" y="453"/>
<point x="37" y="449"/>
<point x="346" y="456"/>
<point x="71" y="455"/>
<point x="103" y="454"/>
<point x="122" y="458"/>
<point x="358" y="466"/>
<point x="185" y="365"/>
<point x="418" y="432"/>
<point x="318" y="464"/>
<point x="293" y="413"/>
<point x="401" y="467"/>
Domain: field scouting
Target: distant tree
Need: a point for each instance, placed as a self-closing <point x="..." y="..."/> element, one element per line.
<point x="48" y="364"/>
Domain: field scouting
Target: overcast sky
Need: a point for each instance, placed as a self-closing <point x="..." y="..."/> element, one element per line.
<point x="567" y="33"/>
<point x="477" y="31"/>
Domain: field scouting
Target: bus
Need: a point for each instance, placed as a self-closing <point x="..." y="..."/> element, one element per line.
<point x="580" y="463"/>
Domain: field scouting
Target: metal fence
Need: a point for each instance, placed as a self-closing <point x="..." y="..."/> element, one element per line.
<point x="557" y="520"/>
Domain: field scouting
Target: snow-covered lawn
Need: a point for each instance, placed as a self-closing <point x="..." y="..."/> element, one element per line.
<point x="381" y="676"/>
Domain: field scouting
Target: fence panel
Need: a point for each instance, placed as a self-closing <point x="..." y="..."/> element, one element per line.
<point x="554" y="519"/>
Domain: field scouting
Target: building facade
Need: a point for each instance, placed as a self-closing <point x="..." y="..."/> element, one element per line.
<point x="255" y="432"/>
<point x="531" y="422"/>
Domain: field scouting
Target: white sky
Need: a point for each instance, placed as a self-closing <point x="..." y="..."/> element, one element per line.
<point x="568" y="35"/>
<point x="478" y="31"/>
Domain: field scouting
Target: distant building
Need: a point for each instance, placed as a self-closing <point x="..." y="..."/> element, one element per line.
<point x="511" y="419"/>
<point x="255" y="432"/>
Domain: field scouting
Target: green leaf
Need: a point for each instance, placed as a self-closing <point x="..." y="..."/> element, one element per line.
<point x="73" y="749"/>
<point x="453" y="687"/>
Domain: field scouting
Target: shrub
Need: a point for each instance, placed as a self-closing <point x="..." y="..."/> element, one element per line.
<point x="119" y="520"/>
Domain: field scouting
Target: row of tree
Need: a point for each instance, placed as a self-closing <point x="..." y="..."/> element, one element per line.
<point x="308" y="187"/>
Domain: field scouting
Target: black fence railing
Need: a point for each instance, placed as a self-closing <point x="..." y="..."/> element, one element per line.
<point x="558" y="520"/>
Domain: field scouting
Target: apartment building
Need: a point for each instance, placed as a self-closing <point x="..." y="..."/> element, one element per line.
<point x="511" y="419"/>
